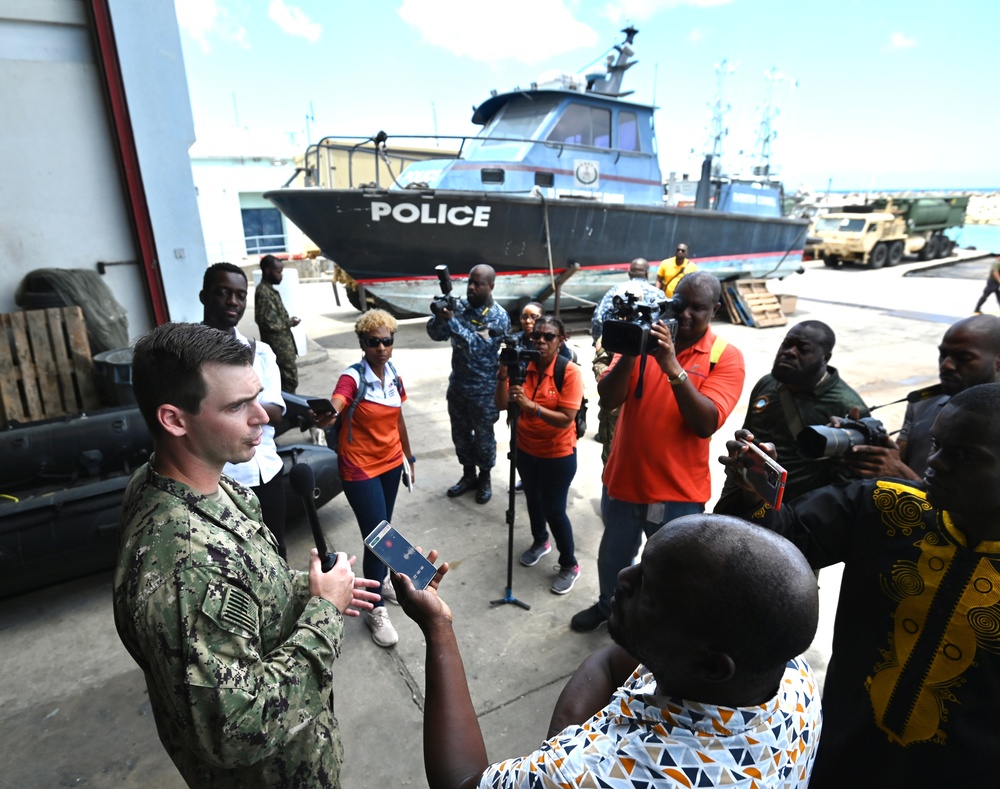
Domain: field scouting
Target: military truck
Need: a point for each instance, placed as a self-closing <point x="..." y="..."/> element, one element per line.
<point x="882" y="231"/>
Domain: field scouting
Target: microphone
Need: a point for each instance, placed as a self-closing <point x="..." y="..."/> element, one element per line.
<point x="303" y="483"/>
<point x="916" y="396"/>
<point x="925" y="393"/>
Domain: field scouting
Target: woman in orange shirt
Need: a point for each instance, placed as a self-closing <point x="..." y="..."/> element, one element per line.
<point x="546" y="447"/>
<point x="372" y="447"/>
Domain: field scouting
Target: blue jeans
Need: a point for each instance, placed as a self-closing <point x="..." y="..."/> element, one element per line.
<point x="372" y="501"/>
<point x="546" y="489"/>
<point x="624" y="525"/>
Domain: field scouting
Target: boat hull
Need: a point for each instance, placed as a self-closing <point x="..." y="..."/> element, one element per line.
<point x="389" y="241"/>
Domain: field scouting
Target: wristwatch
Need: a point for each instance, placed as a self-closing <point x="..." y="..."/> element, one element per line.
<point x="682" y="376"/>
<point x="412" y="459"/>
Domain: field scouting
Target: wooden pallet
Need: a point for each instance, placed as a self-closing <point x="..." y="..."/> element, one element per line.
<point x="45" y="365"/>
<point x="750" y="302"/>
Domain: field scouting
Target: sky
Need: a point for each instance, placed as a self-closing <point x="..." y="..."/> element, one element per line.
<point x="876" y="94"/>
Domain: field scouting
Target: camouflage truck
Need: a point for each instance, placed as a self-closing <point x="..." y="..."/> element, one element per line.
<point x="881" y="232"/>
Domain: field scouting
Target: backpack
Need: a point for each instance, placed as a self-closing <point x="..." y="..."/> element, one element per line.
<point x="348" y="412"/>
<point x="559" y="374"/>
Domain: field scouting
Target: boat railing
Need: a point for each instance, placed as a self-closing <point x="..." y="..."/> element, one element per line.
<point x="369" y="160"/>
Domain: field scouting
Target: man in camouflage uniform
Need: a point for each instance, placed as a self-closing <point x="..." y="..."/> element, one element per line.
<point x="236" y="648"/>
<point x="273" y="323"/>
<point x="472" y="386"/>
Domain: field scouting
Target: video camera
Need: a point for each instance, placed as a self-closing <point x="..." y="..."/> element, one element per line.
<point x="627" y="329"/>
<point x="515" y="356"/>
<point x="445" y="301"/>
<point x="823" y="441"/>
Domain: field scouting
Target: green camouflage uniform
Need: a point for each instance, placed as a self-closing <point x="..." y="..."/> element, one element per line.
<point x="238" y="656"/>
<point x="275" y="329"/>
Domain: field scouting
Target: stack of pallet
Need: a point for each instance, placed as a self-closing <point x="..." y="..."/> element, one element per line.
<point x="45" y="365"/>
<point x="748" y="301"/>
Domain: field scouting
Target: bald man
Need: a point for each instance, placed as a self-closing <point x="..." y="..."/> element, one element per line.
<point x="476" y="331"/>
<point x="708" y="693"/>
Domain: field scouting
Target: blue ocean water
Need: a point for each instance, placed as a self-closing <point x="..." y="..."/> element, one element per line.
<point x="983" y="237"/>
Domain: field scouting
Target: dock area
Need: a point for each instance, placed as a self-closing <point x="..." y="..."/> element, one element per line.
<point x="73" y="705"/>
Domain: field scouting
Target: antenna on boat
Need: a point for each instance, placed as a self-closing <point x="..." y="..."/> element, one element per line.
<point x="768" y="112"/>
<point x="717" y="127"/>
<point x="612" y="83"/>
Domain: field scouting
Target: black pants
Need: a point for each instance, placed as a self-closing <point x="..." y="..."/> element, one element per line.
<point x="992" y="287"/>
<point x="272" y="507"/>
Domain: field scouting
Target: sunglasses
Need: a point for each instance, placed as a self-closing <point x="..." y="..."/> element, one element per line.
<point x="544" y="335"/>
<point x="375" y="342"/>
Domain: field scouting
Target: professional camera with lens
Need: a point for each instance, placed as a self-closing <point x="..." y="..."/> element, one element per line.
<point x="823" y="441"/>
<point x="515" y="356"/>
<point x="445" y="301"/>
<point x="627" y="329"/>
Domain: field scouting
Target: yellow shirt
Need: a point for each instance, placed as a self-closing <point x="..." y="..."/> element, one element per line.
<point x="671" y="274"/>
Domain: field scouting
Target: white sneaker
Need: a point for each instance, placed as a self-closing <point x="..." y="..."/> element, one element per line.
<point x="389" y="591"/>
<point x="383" y="633"/>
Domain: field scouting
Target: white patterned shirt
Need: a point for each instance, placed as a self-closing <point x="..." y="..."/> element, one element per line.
<point x="642" y="740"/>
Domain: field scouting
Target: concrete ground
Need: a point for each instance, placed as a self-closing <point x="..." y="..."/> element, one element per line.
<point x="73" y="706"/>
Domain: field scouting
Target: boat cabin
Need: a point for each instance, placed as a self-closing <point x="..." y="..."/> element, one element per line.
<point x="565" y="141"/>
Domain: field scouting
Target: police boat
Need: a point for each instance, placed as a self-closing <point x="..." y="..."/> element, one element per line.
<point x="559" y="192"/>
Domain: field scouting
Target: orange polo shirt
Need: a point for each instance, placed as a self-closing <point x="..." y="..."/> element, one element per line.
<point x="376" y="446"/>
<point x="655" y="456"/>
<point x="534" y="435"/>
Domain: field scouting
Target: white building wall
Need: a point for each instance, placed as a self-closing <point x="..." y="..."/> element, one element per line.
<point x="220" y="183"/>
<point x="232" y="169"/>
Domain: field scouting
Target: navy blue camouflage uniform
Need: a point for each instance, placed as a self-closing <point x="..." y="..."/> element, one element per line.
<point x="472" y="385"/>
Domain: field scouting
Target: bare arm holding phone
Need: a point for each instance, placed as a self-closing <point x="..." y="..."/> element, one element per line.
<point x="454" y="749"/>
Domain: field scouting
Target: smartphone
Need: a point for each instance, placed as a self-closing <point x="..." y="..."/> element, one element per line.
<point x="767" y="477"/>
<point x="393" y="548"/>
<point x="320" y="405"/>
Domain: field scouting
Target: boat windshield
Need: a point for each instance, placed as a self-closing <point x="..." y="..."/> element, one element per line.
<point x="840" y="224"/>
<point x="518" y="120"/>
<point x="583" y="125"/>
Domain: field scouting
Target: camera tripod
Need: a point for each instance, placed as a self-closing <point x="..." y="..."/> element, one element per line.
<point x="515" y="411"/>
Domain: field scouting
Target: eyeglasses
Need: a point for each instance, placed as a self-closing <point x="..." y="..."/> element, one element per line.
<point x="375" y="342"/>
<point x="544" y="335"/>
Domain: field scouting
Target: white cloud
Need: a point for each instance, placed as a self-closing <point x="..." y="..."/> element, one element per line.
<point x="901" y="41"/>
<point x="293" y="20"/>
<point x="202" y="19"/>
<point x="197" y="18"/>
<point x="553" y="30"/>
<point x="618" y="11"/>
<point x="696" y="35"/>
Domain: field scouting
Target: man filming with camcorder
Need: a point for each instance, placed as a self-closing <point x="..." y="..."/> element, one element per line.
<point x="475" y="326"/>
<point x="673" y="398"/>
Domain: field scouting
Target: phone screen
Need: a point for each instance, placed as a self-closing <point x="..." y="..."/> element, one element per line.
<point x="394" y="549"/>
<point x="766" y="476"/>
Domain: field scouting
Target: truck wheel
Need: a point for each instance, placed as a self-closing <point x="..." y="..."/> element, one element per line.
<point x="831" y="261"/>
<point x="895" y="252"/>
<point x="929" y="252"/>
<point x="879" y="255"/>
<point x="944" y="246"/>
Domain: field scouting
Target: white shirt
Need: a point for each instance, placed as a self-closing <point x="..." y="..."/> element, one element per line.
<point x="265" y="463"/>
